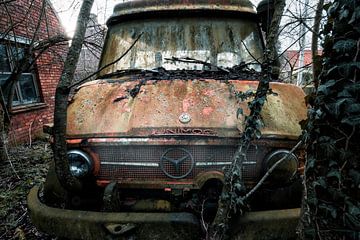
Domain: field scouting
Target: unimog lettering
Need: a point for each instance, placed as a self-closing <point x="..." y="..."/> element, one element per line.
<point x="185" y="131"/>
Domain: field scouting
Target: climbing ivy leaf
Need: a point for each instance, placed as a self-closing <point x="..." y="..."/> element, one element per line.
<point x="239" y="112"/>
<point x="345" y="46"/>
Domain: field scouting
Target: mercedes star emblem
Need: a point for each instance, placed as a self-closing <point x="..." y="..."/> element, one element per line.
<point x="185" y="118"/>
<point x="177" y="163"/>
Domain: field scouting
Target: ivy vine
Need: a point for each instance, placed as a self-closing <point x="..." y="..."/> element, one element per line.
<point x="332" y="173"/>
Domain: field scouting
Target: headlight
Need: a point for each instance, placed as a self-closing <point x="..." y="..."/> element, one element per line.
<point x="285" y="170"/>
<point x="80" y="163"/>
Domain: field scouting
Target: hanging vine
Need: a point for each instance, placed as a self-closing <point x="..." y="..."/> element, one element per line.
<point x="232" y="200"/>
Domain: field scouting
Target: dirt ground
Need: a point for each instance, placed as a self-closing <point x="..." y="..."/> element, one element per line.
<point x="27" y="167"/>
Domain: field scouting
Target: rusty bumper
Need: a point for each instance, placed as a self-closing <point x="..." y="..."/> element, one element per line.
<point x="77" y="224"/>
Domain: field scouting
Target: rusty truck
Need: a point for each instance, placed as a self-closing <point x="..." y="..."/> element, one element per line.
<point x="151" y="136"/>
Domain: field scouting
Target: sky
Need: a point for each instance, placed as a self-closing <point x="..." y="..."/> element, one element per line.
<point x="69" y="9"/>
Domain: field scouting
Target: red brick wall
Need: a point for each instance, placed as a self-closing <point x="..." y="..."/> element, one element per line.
<point x="49" y="65"/>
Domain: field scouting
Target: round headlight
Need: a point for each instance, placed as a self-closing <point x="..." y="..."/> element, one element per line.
<point x="80" y="163"/>
<point x="285" y="170"/>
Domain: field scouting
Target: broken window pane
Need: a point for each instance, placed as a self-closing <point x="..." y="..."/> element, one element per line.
<point x="4" y="61"/>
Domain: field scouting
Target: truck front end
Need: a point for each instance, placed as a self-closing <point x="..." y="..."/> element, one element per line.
<point x="151" y="137"/>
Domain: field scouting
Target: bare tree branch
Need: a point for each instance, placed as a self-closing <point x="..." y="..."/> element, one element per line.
<point x="109" y="64"/>
<point x="314" y="45"/>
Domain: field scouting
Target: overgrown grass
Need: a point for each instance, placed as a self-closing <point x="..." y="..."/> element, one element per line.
<point x="31" y="165"/>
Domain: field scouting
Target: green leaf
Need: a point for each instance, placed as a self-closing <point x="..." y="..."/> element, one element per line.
<point x="353" y="88"/>
<point x="353" y="108"/>
<point x="312" y="201"/>
<point x="353" y="209"/>
<point x="345" y="46"/>
<point x="238" y="186"/>
<point x="352" y="120"/>
<point x="325" y="89"/>
<point x="347" y="70"/>
<point x="240" y="202"/>
<point x="344" y="14"/>
<point x="310" y="233"/>
<point x="333" y="8"/>
<point x="352" y="221"/>
<point x="333" y="163"/>
<point x="332" y="70"/>
<point x="257" y="134"/>
<point x="327" y="6"/>
<point x="355" y="16"/>
<point x="320" y="183"/>
<point x="355" y="175"/>
<point x="239" y="112"/>
<point x="334" y="173"/>
<point x="310" y="163"/>
<point x="328" y="209"/>
<point x="261" y="101"/>
<point x="344" y="94"/>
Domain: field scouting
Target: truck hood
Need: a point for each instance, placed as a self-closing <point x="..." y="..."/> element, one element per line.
<point x="114" y="108"/>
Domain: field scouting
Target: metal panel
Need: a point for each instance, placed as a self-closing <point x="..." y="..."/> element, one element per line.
<point x="96" y="111"/>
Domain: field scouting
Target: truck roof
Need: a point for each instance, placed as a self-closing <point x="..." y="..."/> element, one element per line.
<point x="157" y="8"/>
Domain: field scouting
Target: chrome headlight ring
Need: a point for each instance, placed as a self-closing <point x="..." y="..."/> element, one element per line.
<point x="80" y="163"/>
<point x="286" y="170"/>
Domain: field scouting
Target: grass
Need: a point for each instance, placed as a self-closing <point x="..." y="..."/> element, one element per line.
<point x="30" y="165"/>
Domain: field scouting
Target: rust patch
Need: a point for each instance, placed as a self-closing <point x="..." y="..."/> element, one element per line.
<point x="207" y="111"/>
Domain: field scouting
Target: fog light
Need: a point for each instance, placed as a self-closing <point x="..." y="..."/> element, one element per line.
<point x="80" y="163"/>
<point x="285" y="170"/>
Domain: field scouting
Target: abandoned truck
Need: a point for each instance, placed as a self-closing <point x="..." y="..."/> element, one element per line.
<point x="151" y="137"/>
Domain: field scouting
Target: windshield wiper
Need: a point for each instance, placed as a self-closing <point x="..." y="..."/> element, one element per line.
<point x="196" y="61"/>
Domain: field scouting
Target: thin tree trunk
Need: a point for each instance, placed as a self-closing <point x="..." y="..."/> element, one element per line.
<point x="304" y="218"/>
<point x="315" y="43"/>
<point x="302" y="42"/>
<point x="61" y="100"/>
<point x="2" y="131"/>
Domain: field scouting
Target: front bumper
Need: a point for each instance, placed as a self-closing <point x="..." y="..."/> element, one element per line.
<point x="88" y="225"/>
<point x="77" y="224"/>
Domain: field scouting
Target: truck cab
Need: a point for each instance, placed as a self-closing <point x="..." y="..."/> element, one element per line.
<point x="152" y="135"/>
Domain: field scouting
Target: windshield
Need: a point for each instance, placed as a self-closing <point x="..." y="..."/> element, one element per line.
<point x="183" y="44"/>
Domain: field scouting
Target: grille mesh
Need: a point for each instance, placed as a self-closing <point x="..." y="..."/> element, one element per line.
<point x="114" y="159"/>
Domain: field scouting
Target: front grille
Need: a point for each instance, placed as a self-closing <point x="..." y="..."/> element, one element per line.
<point x="126" y="163"/>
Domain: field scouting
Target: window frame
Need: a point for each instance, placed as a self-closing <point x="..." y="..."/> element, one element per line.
<point x="22" y="102"/>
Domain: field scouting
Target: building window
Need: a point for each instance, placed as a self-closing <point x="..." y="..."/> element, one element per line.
<point x="26" y="89"/>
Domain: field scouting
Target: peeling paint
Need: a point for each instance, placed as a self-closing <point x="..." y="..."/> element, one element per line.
<point x="158" y="106"/>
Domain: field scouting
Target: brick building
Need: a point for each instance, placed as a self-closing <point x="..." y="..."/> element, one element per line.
<point x="292" y="65"/>
<point x="33" y="102"/>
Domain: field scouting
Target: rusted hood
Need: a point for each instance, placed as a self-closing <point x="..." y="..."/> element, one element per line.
<point x="105" y="108"/>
